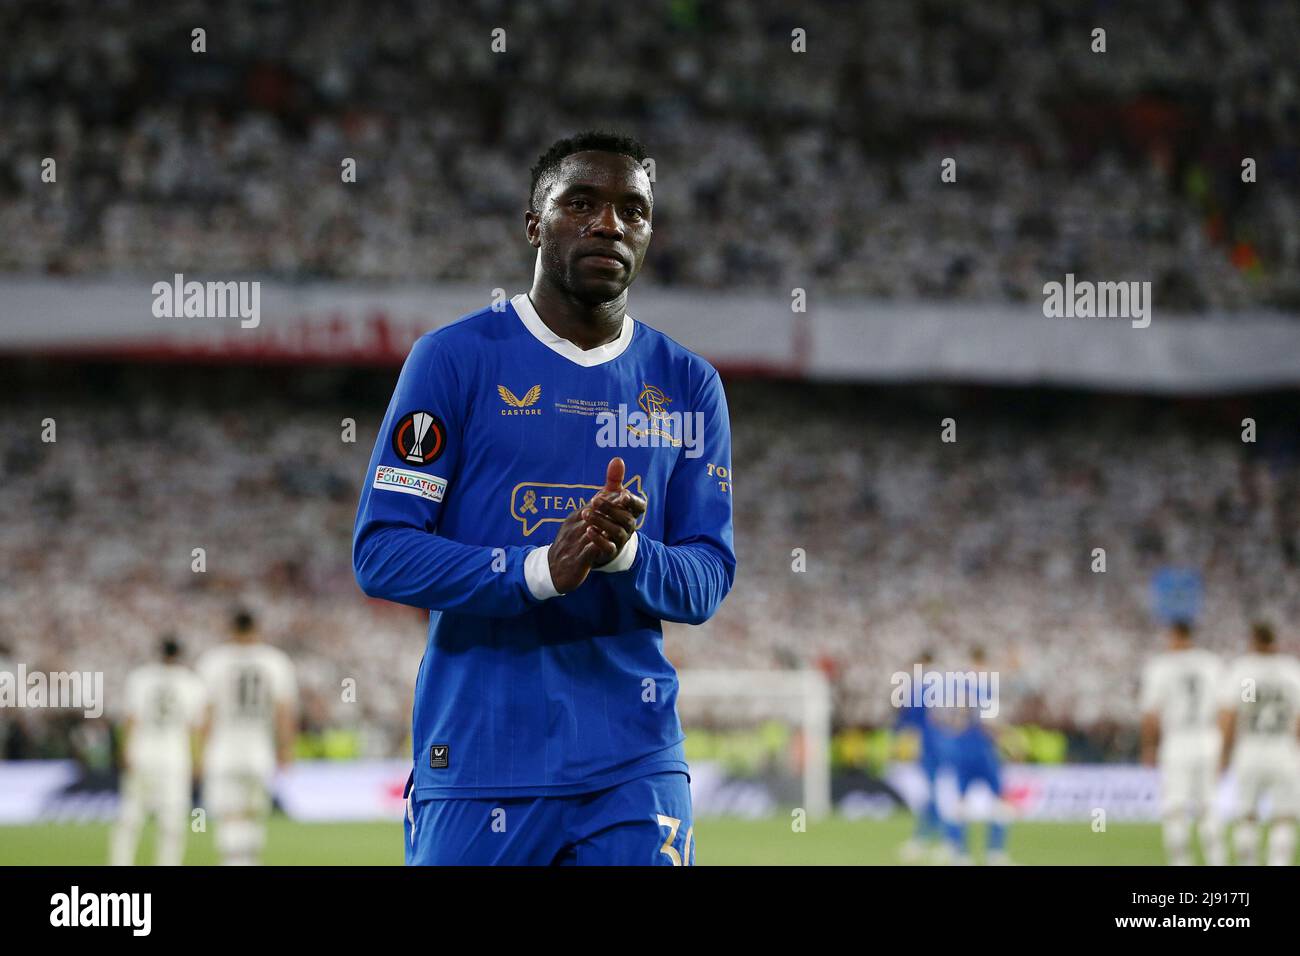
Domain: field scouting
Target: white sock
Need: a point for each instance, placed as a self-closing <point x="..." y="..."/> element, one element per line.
<point x="1281" y="843"/>
<point x="1178" y="840"/>
<point x="171" y="843"/>
<point x="240" y="842"/>
<point x="1245" y="839"/>
<point x="126" y="836"/>
<point x="1212" y="842"/>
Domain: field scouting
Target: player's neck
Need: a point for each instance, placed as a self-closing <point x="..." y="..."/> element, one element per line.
<point x="585" y="324"/>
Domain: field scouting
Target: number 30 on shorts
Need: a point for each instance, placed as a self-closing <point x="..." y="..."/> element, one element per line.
<point x="673" y="825"/>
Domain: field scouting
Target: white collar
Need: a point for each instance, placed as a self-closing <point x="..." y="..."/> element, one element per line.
<point x="584" y="357"/>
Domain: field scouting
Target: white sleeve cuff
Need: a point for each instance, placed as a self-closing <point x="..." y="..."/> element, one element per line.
<point x="625" y="558"/>
<point x="537" y="574"/>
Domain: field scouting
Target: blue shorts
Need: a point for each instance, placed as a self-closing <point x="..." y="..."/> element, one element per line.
<point x="979" y="765"/>
<point x="644" y="822"/>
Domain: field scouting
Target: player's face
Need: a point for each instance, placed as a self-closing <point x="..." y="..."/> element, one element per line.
<point x="594" y="225"/>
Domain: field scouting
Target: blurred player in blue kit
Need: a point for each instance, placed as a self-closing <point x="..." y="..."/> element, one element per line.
<point x="971" y="753"/>
<point x="916" y="718"/>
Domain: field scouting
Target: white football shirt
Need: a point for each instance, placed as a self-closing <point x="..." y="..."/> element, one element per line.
<point x="244" y="683"/>
<point x="165" y="702"/>
<point x="1264" y="690"/>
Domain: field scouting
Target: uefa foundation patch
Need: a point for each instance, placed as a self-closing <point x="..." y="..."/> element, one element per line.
<point x="428" y="487"/>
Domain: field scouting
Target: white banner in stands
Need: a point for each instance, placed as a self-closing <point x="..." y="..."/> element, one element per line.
<point x="741" y="332"/>
<point x="320" y="790"/>
<point x="26" y="787"/>
<point x="326" y="790"/>
<point x="1071" y="792"/>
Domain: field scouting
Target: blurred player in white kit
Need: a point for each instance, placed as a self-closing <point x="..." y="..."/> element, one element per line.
<point x="252" y="704"/>
<point x="164" y="708"/>
<point x="1180" y="734"/>
<point x="1260" y="721"/>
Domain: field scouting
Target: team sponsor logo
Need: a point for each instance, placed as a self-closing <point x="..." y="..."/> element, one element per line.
<point x="428" y="487"/>
<point x="419" y="438"/>
<point x="534" y="503"/>
<point x="652" y="426"/>
<point x="520" y="406"/>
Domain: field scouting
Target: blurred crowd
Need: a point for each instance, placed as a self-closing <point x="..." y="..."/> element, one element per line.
<point x="863" y="539"/>
<point x="911" y="544"/>
<point x="772" y="167"/>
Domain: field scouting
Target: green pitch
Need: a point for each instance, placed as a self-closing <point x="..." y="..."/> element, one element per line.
<point x="719" y="841"/>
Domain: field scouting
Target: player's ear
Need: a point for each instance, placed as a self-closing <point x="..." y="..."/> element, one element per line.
<point x="532" y="227"/>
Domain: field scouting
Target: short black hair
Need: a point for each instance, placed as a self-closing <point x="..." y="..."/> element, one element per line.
<point x="169" y="647"/>
<point x="598" y="140"/>
<point x="1262" y="632"/>
<point x="241" y="620"/>
<point x="1183" y="628"/>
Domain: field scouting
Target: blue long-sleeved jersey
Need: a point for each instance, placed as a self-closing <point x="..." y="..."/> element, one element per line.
<point x="933" y="738"/>
<point x="496" y="431"/>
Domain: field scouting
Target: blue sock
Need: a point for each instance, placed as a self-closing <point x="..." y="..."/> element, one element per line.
<point x="957" y="836"/>
<point x="997" y="837"/>
<point x="927" y="821"/>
